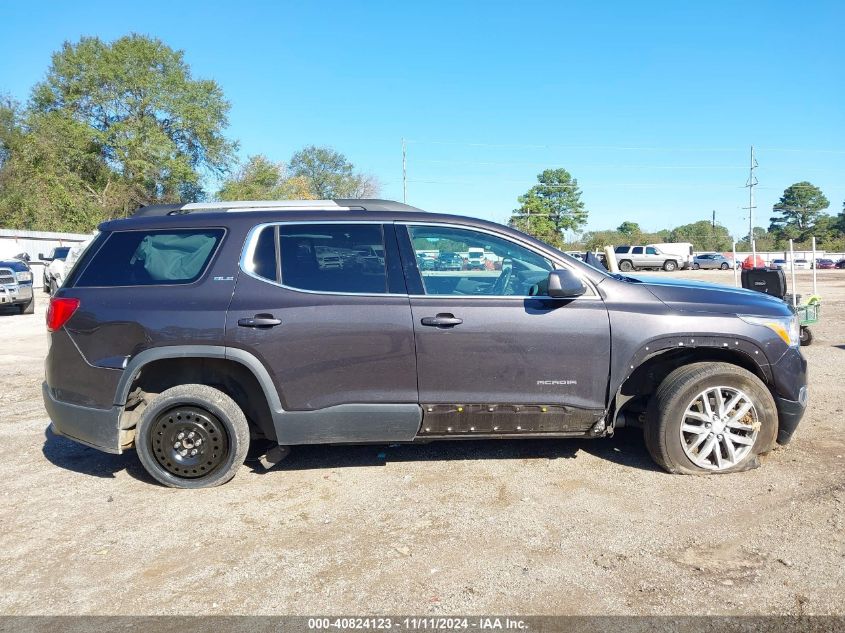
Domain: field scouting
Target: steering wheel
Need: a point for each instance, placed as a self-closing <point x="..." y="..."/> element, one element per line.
<point x="504" y="279"/>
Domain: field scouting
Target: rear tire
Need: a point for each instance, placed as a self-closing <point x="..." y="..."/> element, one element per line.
<point x="670" y="265"/>
<point x="723" y="267"/>
<point x="625" y="266"/>
<point x="192" y="436"/>
<point x="679" y="431"/>
<point x="695" y="266"/>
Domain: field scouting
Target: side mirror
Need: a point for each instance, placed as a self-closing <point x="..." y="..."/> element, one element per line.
<point x="563" y="284"/>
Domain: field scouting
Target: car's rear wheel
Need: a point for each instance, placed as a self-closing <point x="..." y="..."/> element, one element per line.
<point x="669" y="265"/>
<point x="723" y="267"/>
<point x="192" y="436"/>
<point x="626" y="266"/>
<point x="709" y="418"/>
<point x="695" y="266"/>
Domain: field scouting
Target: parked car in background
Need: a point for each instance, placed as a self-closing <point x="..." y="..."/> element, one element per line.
<point x="825" y="264"/>
<point x="802" y="264"/>
<point x="16" y="285"/>
<point x="711" y="261"/>
<point x="779" y="263"/>
<point x="840" y="264"/>
<point x="425" y="262"/>
<point x="54" y="271"/>
<point x="450" y="261"/>
<point x="681" y="251"/>
<point x="636" y="257"/>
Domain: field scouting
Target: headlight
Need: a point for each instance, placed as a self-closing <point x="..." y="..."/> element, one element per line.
<point x="786" y="327"/>
<point x="24" y="275"/>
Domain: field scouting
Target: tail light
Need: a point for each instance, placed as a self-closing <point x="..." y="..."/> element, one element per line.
<point x="60" y="310"/>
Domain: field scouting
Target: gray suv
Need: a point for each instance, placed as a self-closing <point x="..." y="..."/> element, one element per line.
<point x="189" y="330"/>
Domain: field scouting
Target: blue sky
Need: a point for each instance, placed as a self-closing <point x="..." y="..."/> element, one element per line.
<point x="652" y="106"/>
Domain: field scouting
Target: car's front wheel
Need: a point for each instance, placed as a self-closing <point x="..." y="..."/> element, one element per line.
<point x="192" y="436"/>
<point x="669" y="265"/>
<point x="708" y="418"/>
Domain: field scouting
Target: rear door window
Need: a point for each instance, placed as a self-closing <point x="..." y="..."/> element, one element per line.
<point x="347" y="258"/>
<point x="148" y="258"/>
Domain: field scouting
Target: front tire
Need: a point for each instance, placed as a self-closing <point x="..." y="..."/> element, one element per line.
<point x="29" y="308"/>
<point x="670" y="266"/>
<point x="710" y="418"/>
<point x="192" y="436"/>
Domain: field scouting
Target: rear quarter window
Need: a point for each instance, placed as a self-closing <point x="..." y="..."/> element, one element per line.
<point x="148" y="258"/>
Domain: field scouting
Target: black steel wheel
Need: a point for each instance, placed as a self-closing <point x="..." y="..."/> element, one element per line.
<point x="192" y="436"/>
<point x="189" y="441"/>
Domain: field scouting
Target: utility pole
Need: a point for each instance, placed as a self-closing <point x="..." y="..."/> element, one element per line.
<point x="404" y="171"/>
<point x="752" y="182"/>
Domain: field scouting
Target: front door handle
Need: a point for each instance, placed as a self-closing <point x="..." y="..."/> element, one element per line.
<point x="444" y="319"/>
<point x="260" y="320"/>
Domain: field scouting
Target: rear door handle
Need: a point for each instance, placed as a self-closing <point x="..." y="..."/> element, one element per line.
<point x="260" y="320"/>
<point x="443" y="319"/>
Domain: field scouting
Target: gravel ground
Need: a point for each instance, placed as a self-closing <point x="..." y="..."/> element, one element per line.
<point x="529" y="527"/>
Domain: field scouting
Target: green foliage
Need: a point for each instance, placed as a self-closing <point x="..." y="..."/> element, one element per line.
<point x="629" y="230"/>
<point x="703" y="235"/>
<point x="550" y="207"/>
<point x="798" y="211"/>
<point x="315" y="173"/>
<point x="261" y="179"/>
<point x="330" y="175"/>
<point x="112" y="126"/>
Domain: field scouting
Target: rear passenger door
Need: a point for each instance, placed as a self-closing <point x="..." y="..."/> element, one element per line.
<point x="323" y="306"/>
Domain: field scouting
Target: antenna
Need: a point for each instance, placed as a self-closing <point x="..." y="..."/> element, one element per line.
<point x="751" y="183"/>
<point x="404" y="171"/>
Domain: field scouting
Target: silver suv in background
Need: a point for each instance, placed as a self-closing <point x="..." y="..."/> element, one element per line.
<point x="631" y="258"/>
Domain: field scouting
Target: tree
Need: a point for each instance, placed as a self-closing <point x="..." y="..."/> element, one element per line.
<point x="550" y="207"/>
<point x="763" y="241"/>
<point x="330" y="175"/>
<point x="261" y="179"/>
<point x="799" y="209"/>
<point x="629" y="229"/>
<point x="704" y="236"/>
<point x="134" y="101"/>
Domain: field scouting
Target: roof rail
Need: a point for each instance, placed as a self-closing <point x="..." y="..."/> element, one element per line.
<point x="341" y="204"/>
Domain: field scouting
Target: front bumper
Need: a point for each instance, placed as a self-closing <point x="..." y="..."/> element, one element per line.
<point x="789" y="415"/>
<point x="12" y="294"/>
<point x="791" y="393"/>
<point x="97" y="428"/>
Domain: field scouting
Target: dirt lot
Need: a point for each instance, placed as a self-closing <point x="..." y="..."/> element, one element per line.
<point x="529" y="527"/>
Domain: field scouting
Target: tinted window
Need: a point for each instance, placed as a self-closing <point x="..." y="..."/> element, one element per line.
<point x="144" y="258"/>
<point x="497" y="266"/>
<point x="261" y="260"/>
<point x="61" y="253"/>
<point x="637" y="250"/>
<point x="621" y="249"/>
<point x="650" y="251"/>
<point x="333" y="257"/>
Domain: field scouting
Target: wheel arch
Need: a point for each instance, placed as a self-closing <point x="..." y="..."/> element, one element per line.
<point x="240" y="373"/>
<point x="659" y="357"/>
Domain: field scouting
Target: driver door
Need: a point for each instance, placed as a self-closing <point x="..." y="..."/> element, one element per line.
<point x="482" y="341"/>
